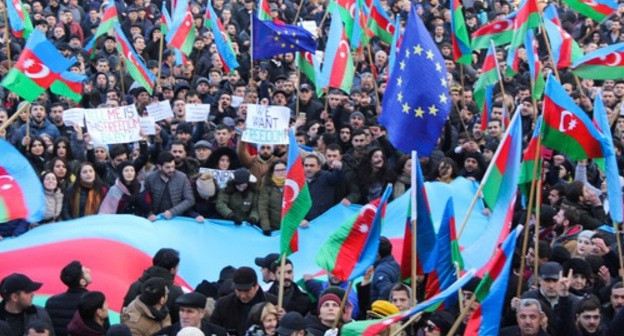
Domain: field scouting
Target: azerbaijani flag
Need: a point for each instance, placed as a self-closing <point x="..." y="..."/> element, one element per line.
<point x="462" y="53"/>
<point x="614" y="190"/>
<point x="513" y="63"/>
<point x="353" y="248"/>
<point x="346" y="10"/>
<point x="500" y="186"/>
<point x="565" y="50"/>
<point x="379" y="23"/>
<point x="397" y="38"/>
<point x="165" y="19"/>
<point x="528" y="18"/>
<point x="603" y="63"/>
<point x="449" y="257"/>
<point x="21" y="192"/>
<point x="69" y="85"/>
<point x="489" y="76"/>
<point x="264" y="10"/>
<point x="491" y="290"/>
<point x="485" y="101"/>
<point x="528" y="160"/>
<point x="109" y="19"/>
<point x="222" y="40"/>
<point x="375" y="327"/>
<point x="338" y="67"/>
<point x="39" y="66"/>
<point x="138" y="71"/>
<point x="19" y="19"/>
<point x="296" y="199"/>
<point x="535" y="66"/>
<point x="500" y="31"/>
<point x="182" y="31"/>
<point x="597" y="10"/>
<point x="567" y="128"/>
<point x="425" y="232"/>
<point x="310" y="68"/>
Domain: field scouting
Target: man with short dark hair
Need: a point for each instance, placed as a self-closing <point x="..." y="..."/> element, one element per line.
<point x="91" y="318"/>
<point x="148" y="313"/>
<point x="61" y="307"/>
<point x="387" y="272"/>
<point x="529" y="316"/>
<point x="192" y="312"/>
<point x="165" y="265"/>
<point x="294" y="298"/>
<point x="232" y="310"/>
<point x="321" y="184"/>
<point x="16" y="308"/>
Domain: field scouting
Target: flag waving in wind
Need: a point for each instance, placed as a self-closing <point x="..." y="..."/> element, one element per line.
<point x="270" y="39"/>
<point x="564" y="48"/>
<point x="137" y="69"/>
<point x="462" y="53"/>
<point x="598" y="10"/>
<point x="417" y="100"/>
<point x="353" y="248"/>
<point x="222" y="40"/>
<point x="338" y="68"/>
<point x="182" y="31"/>
<point x="19" y="19"/>
<point x="603" y="63"/>
<point x="500" y="31"/>
<point x="296" y="199"/>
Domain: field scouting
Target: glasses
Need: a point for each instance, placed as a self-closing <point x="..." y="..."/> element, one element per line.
<point x="280" y="170"/>
<point x="432" y="327"/>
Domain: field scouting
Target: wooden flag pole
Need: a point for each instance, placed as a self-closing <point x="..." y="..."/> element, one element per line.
<point x="28" y="129"/>
<point x="13" y="117"/>
<point x="413" y="319"/>
<point x="280" y="293"/>
<point x="525" y="241"/>
<point x="301" y="3"/>
<point x="343" y="302"/>
<point x="252" y="83"/>
<point x="7" y="33"/>
<point x="370" y="59"/>
<point x="414" y="204"/>
<point x="550" y="53"/>
<point x="160" y="56"/>
<point x="538" y="209"/>
<point x="484" y="180"/>
<point x="618" y="239"/>
<point x="461" y="316"/>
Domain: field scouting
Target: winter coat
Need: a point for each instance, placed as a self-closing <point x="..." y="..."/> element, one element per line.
<point x="119" y="200"/>
<point x="54" y="205"/>
<point x="231" y="313"/>
<point x="61" y="308"/>
<point x="322" y="192"/>
<point x="270" y="206"/>
<point x="180" y="192"/>
<point x="141" y="320"/>
<point x="32" y="314"/>
<point x="233" y="202"/>
<point x="79" y="327"/>
<point x="156" y="272"/>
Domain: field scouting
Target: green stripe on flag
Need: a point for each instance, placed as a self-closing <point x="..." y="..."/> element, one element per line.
<point x="328" y="255"/>
<point x="22" y="85"/>
<point x="554" y="139"/>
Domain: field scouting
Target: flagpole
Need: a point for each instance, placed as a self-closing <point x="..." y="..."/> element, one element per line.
<point x="298" y="85"/>
<point x="280" y="293"/>
<point x="160" y="56"/>
<point x="461" y="316"/>
<point x="618" y="239"/>
<point x="370" y="59"/>
<point x="525" y="241"/>
<point x="324" y="18"/>
<point x="407" y="323"/>
<point x="28" y="129"/>
<point x="537" y="229"/>
<point x="7" y="33"/>
<point x="550" y="53"/>
<point x="460" y="293"/>
<point x="298" y="11"/>
<point x="414" y="216"/>
<point x="13" y="117"/>
<point x="498" y="72"/>
<point x="345" y="298"/>
<point x="252" y="84"/>
<point x="477" y="195"/>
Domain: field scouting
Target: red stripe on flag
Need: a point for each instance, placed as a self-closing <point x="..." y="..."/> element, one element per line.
<point x="12" y="196"/>
<point x="501" y="160"/>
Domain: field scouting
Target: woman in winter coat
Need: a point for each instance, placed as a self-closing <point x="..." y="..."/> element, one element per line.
<point x="127" y="195"/>
<point x="270" y="199"/>
<point x="404" y="176"/>
<point x="237" y="202"/>
<point x="53" y="199"/>
<point x="85" y="196"/>
<point x="263" y="320"/>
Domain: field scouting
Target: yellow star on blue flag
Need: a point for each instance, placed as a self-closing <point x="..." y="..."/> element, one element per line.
<point x="416" y="102"/>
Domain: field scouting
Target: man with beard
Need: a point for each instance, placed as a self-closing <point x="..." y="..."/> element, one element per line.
<point x="169" y="189"/>
<point x="354" y="155"/>
<point x="294" y="298"/>
<point x="187" y="165"/>
<point x="615" y="304"/>
<point x="39" y="125"/>
<point x="257" y="164"/>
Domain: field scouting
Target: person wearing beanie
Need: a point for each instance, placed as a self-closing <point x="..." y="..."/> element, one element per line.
<point x="148" y="313"/>
<point x="380" y="309"/>
<point x="127" y="195"/>
<point x="61" y="307"/>
<point x="327" y="309"/>
<point x="582" y="279"/>
<point x="438" y="323"/>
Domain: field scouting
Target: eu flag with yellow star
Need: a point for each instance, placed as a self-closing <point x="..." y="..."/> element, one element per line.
<point x="417" y="101"/>
<point x="270" y="39"/>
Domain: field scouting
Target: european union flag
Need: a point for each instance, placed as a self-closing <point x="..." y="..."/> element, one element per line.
<point x="417" y="101"/>
<point x="270" y="39"/>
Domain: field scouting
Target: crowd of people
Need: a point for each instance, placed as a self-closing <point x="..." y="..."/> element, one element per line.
<point x="205" y="171"/>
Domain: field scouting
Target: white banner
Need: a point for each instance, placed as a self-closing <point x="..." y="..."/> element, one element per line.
<point x="113" y="125"/>
<point x="266" y="124"/>
<point x="148" y="125"/>
<point x="221" y="177"/>
<point x="160" y="111"/>
<point x="197" y="112"/>
<point x="73" y="117"/>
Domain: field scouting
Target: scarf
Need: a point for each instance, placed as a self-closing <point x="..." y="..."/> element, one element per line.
<point x="159" y="315"/>
<point x="92" y="203"/>
<point x="279" y="181"/>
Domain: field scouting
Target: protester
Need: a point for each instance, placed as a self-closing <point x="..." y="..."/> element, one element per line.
<point x="61" y="307"/>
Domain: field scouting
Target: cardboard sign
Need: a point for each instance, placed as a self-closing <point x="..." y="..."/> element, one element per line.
<point x="113" y="125"/>
<point x="197" y="112"/>
<point x="160" y="111"/>
<point x="148" y="125"/>
<point x="266" y="124"/>
<point x="221" y="176"/>
<point x="73" y="117"/>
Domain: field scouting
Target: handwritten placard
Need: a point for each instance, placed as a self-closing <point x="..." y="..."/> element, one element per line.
<point x="113" y="125"/>
<point x="197" y="112"/>
<point x="148" y="125"/>
<point x="266" y="124"/>
<point x="160" y="111"/>
<point x="73" y="117"/>
<point x="221" y="177"/>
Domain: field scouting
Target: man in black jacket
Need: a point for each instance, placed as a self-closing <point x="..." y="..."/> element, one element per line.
<point x="192" y="312"/>
<point x="232" y="310"/>
<point x="165" y="265"/>
<point x="16" y="308"/>
<point x="61" y="307"/>
<point x="294" y="298"/>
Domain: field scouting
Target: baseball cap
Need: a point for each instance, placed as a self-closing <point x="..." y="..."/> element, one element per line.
<point x="267" y="261"/>
<point x="550" y="270"/>
<point x="18" y="282"/>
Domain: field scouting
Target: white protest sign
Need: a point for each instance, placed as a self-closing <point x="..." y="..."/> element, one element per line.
<point x="113" y="125"/>
<point x="197" y="112"/>
<point x="237" y="101"/>
<point x="310" y="26"/>
<point x="160" y="111"/>
<point x="73" y="117"/>
<point x="148" y="125"/>
<point x="266" y="124"/>
<point x="221" y="177"/>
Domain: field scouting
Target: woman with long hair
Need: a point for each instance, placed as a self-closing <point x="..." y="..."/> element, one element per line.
<point x="263" y="320"/>
<point x="53" y="199"/>
<point x="403" y="173"/>
<point x="64" y="176"/>
<point x="374" y="175"/>
<point x="127" y="195"/>
<point x="84" y="197"/>
<point x="36" y="153"/>
<point x="270" y="199"/>
<point x="63" y="149"/>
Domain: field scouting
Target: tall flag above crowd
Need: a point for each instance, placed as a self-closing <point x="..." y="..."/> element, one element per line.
<point x="565" y="50"/>
<point x="417" y="101"/>
<point x="338" y="68"/>
<point x="137" y="69"/>
<point x="598" y="10"/>
<point x="278" y="38"/>
<point x="462" y="53"/>
<point x="19" y="20"/>
<point x="222" y="40"/>
<point x="182" y="31"/>
<point x="603" y="63"/>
